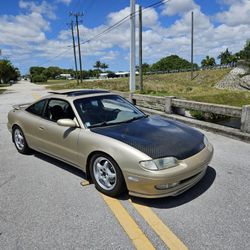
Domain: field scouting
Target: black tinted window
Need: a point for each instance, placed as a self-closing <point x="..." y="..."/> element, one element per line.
<point x="58" y="109"/>
<point x="37" y="108"/>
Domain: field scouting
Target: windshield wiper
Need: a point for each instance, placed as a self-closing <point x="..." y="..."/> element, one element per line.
<point x="136" y="118"/>
<point x="102" y="124"/>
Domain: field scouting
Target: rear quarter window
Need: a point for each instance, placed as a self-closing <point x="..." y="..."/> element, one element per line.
<point x="37" y="108"/>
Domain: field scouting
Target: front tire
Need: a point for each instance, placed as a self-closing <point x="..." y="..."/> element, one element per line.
<point x="20" y="141"/>
<point x="107" y="175"/>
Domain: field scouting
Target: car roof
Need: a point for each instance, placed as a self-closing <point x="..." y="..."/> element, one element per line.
<point x="76" y="93"/>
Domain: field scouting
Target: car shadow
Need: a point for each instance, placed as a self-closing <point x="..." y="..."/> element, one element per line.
<point x="163" y="203"/>
<point x="60" y="164"/>
<point x="175" y="201"/>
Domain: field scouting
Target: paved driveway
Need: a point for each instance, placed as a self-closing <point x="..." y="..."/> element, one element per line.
<point x="43" y="205"/>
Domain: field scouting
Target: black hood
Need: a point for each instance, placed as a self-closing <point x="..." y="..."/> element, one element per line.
<point x="156" y="137"/>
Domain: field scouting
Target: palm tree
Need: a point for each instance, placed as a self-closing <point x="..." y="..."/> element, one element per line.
<point x="208" y="61"/>
<point x="225" y="57"/>
<point x="104" y="66"/>
<point x="97" y="65"/>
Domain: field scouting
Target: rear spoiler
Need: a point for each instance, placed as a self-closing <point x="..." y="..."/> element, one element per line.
<point x="21" y="106"/>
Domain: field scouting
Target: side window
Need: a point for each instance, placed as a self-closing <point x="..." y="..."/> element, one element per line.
<point x="58" y="109"/>
<point x="37" y="108"/>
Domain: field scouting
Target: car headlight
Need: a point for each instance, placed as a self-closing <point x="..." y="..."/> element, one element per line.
<point x="205" y="141"/>
<point x="159" y="164"/>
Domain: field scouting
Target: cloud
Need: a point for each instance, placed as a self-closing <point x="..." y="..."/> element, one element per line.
<point x="115" y="17"/>
<point x="67" y="2"/>
<point x="180" y="7"/>
<point x="182" y="26"/>
<point x="228" y="2"/>
<point x="150" y="18"/>
<point x="44" y="8"/>
<point x="237" y="14"/>
<point x="22" y="29"/>
<point x="110" y="55"/>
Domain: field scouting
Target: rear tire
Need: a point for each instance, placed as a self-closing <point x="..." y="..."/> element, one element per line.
<point x="20" y="141"/>
<point x="106" y="175"/>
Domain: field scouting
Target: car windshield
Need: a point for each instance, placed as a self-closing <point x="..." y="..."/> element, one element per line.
<point x="107" y="110"/>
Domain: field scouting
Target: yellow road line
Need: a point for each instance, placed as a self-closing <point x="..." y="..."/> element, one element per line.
<point x="133" y="231"/>
<point x="167" y="236"/>
<point x="36" y="96"/>
<point x="85" y="183"/>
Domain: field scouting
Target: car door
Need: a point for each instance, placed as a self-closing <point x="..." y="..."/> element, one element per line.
<point x="31" y="119"/>
<point x="57" y="140"/>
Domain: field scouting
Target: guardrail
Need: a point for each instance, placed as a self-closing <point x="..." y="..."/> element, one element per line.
<point x="172" y="105"/>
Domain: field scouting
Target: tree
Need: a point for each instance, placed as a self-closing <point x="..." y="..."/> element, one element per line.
<point x="145" y="67"/>
<point x="97" y="65"/>
<point x="208" y="61"/>
<point x="8" y="72"/>
<point x="226" y="57"/>
<point x="52" y="71"/>
<point x="38" y="78"/>
<point x="172" y="62"/>
<point x="245" y="53"/>
<point x="36" y="70"/>
<point x="104" y="66"/>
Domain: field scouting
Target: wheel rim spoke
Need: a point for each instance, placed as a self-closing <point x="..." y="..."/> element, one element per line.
<point x="104" y="173"/>
<point x="99" y="167"/>
<point x="19" y="139"/>
<point x="106" y="164"/>
<point x="107" y="183"/>
<point x="110" y="174"/>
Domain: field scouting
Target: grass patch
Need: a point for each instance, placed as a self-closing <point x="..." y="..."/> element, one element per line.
<point x="2" y="90"/>
<point x="176" y="84"/>
<point x="4" y="85"/>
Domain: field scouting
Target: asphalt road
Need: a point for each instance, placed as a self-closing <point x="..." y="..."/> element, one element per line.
<point x="43" y="205"/>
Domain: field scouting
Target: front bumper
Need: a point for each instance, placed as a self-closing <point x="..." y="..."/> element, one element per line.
<point x="186" y="174"/>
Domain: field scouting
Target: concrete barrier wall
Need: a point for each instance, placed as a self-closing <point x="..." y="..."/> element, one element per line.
<point x="170" y="104"/>
<point x="207" y="107"/>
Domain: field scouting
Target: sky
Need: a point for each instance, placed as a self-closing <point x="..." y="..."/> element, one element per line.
<point x="36" y="33"/>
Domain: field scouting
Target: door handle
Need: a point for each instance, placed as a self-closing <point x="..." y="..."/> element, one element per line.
<point x="41" y="128"/>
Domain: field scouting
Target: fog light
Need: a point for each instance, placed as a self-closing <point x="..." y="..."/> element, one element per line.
<point x="166" y="186"/>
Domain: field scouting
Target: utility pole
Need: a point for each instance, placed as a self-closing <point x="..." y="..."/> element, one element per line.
<point x="192" y="45"/>
<point x="132" y="46"/>
<point x="78" y="40"/>
<point x="140" y="49"/>
<point x="74" y="48"/>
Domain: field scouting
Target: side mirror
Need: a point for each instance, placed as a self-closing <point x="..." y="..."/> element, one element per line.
<point x="67" y="123"/>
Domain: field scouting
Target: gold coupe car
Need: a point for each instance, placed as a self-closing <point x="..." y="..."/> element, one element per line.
<point x="119" y="147"/>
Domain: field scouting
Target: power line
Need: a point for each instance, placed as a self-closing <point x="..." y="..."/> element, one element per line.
<point x="156" y="4"/>
<point x="109" y="29"/>
<point x="123" y="20"/>
<point x="55" y="57"/>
